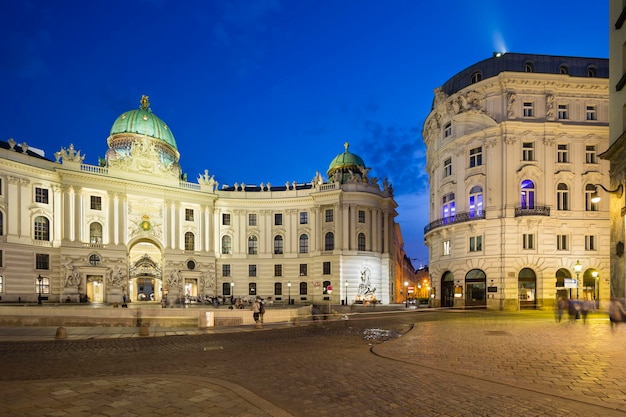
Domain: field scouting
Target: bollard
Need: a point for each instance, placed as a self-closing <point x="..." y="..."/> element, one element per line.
<point x="144" y="330"/>
<point x="61" y="333"/>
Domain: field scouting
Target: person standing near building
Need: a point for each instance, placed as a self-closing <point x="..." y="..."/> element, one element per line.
<point x="256" y="310"/>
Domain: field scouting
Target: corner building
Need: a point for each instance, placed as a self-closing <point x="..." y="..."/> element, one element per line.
<point x="133" y="226"/>
<point x="512" y="157"/>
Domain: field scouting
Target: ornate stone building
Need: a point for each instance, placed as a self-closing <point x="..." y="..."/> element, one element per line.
<point x="512" y="156"/>
<point x="132" y="226"/>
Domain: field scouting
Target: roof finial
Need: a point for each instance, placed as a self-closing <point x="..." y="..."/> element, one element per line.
<point x="346" y="145"/>
<point x="144" y="102"/>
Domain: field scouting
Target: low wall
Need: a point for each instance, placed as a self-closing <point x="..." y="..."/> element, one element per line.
<point x="109" y="316"/>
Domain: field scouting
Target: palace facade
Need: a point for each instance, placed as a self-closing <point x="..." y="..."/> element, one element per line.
<point x="512" y="156"/>
<point x="133" y="226"/>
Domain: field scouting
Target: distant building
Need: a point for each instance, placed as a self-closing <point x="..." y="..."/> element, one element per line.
<point x="512" y="155"/>
<point x="616" y="152"/>
<point x="134" y="227"/>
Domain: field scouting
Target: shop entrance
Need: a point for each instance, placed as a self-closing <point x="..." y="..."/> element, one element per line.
<point x="447" y="290"/>
<point x="527" y="289"/>
<point x="475" y="289"/>
<point x="145" y="274"/>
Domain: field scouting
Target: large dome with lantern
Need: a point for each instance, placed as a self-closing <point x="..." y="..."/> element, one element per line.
<point x="347" y="167"/>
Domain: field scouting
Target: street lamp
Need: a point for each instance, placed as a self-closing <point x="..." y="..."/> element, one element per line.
<point x="577" y="268"/>
<point x="39" y="289"/>
<point x="406" y="294"/>
<point x="289" y="297"/>
<point x="232" y="292"/>
<point x="596" y="283"/>
<point x="346" y="292"/>
<point x="595" y="197"/>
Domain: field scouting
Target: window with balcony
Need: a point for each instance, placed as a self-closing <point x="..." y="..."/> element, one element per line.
<point x="527" y="194"/>
<point x="562" y="197"/>
<point x="95" y="233"/>
<point x="476" y="201"/>
<point x="448" y="206"/>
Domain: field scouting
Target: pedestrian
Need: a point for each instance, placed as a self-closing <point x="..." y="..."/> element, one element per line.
<point x="560" y="307"/>
<point x="616" y="311"/>
<point x="256" y="310"/>
<point x="573" y="310"/>
<point x="585" y="307"/>
<point x="124" y="300"/>
<point x="261" y="310"/>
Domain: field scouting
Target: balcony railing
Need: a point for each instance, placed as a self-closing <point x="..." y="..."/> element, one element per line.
<point x="457" y="218"/>
<point x="534" y="211"/>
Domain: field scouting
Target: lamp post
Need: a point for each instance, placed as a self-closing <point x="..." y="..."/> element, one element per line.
<point x="329" y="290"/>
<point x="577" y="268"/>
<point x="406" y="294"/>
<point x="596" y="283"/>
<point x="232" y="292"/>
<point x="39" y="288"/>
<point x="346" y="292"/>
<point x="289" y="289"/>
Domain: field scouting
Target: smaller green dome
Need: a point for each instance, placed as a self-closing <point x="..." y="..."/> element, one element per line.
<point x="345" y="160"/>
<point x="142" y="121"/>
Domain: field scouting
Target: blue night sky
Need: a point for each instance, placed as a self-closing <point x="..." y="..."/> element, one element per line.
<point x="268" y="90"/>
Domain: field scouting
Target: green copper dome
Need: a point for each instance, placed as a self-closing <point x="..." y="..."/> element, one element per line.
<point x="346" y="167"/>
<point x="346" y="160"/>
<point x="142" y="121"/>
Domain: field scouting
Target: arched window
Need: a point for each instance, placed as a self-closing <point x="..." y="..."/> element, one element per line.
<point x="592" y="72"/>
<point x="527" y="194"/>
<point x="304" y="243"/>
<point x="227" y="245"/>
<point x="303" y="288"/>
<point x="329" y="241"/>
<point x="590" y="189"/>
<point x="253" y="245"/>
<point x="190" y="241"/>
<point x="325" y="285"/>
<point x="361" y="241"/>
<point x="448" y="207"/>
<point x="476" y="77"/>
<point x="563" y="69"/>
<point x="278" y="245"/>
<point x="42" y="229"/>
<point x="476" y="201"/>
<point x="529" y="67"/>
<point x="562" y="197"/>
<point x="95" y="233"/>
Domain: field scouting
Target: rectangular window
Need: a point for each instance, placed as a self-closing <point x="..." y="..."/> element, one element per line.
<point x="42" y="261"/>
<point x="1" y="259"/>
<point x="278" y="219"/>
<point x="528" y="151"/>
<point x="446" y="248"/>
<point x="326" y="268"/>
<point x="189" y="215"/>
<point x="563" y="112"/>
<point x="251" y="219"/>
<point x="0" y="186"/>
<point x="96" y="202"/>
<point x="278" y="288"/>
<point x="1" y="284"/>
<point x="562" y="155"/>
<point x="41" y="195"/>
<point x="329" y="215"/>
<point x="528" y="241"/>
<point x="591" y="155"/>
<point x="42" y="285"/>
<point x="361" y="216"/>
<point x="226" y="219"/>
<point x="303" y="270"/>
<point x="528" y="109"/>
<point x="252" y="270"/>
<point x="561" y="242"/>
<point x="447" y="167"/>
<point x="304" y="217"/>
<point x="592" y="113"/>
<point x="225" y="270"/>
<point x="591" y="242"/>
<point x="278" y="270"/>
<point x="447" y="130"/>
<point x="476" y="157"/>
<point x="476" y="244"/>
<point x="252" y="288"/>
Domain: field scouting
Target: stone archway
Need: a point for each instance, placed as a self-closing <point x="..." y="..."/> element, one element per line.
<point x="145" y="277"/>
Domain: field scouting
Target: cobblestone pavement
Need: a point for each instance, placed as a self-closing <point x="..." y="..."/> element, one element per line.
<point x="398" y="364"/>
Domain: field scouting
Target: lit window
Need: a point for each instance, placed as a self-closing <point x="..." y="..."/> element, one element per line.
<point x="476" y="201"/>
<point x="446" y="247"/>
<point x="448" y="206"/>
<point x="527" y="195"/>
<point x="95" y="233"/>
<point x="590" y="190"/>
